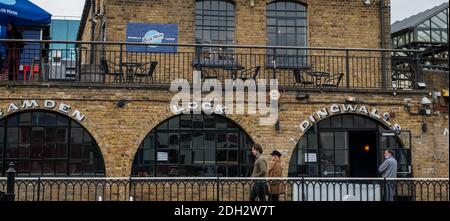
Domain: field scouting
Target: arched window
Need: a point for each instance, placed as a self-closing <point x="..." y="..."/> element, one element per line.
<point x="215" y="24"/>
<point x="42" y="143"/>
<point x="287" y="26"/>
<point x="194" y="146"/>
<point x="348" y="145"/>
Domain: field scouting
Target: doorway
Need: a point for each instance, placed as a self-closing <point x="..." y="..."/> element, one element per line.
<point x="363" y="154"/>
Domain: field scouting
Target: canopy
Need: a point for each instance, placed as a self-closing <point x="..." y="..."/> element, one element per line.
<point x="23" y="13"/>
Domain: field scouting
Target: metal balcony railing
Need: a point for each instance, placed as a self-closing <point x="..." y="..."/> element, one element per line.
<point x="134" y="64"/>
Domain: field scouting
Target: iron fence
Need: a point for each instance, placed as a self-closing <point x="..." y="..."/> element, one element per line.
<point x="226" y="189"/>
<point x="129" y="64"/>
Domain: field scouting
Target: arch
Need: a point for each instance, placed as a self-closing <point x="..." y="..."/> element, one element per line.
<point x="48" y="143"/>
<point x="194" y="145"/>
<point x="293" y="1"/>
<point x="228" y="1"/>
<point x="346" y="145"/>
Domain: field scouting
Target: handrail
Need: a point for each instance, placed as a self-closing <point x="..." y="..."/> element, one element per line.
<point x="207" y="45"/>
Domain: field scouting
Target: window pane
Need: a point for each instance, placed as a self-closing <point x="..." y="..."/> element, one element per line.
<point x="12" y="135"/>
<point x="341" y="157"/>
<point x="327" y="157"/>
<point x="75" y="151"/>
<point x="327" y="140"/>
<point x="49" y="150"/>
<point x="77" y="135"/>
<point x="340" y="140"/>
<point x="36" y="151"/>
<point x="185" y="141"/>
<point x="197" y="140"/>
<point x="24" y="151"/>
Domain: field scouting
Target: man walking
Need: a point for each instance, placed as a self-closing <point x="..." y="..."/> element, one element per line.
<point x="259" y="170"/>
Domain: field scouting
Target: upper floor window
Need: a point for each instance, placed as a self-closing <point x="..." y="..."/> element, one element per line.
<point x="215" y="24"/>
<point x="286" y="26"/>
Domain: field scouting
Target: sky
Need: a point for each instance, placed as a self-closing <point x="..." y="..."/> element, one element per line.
<point x="400" y="8"/>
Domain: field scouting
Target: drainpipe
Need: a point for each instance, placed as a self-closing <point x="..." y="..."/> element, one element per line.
<point x="92" y="30"/>
<point x="382" y="45"/>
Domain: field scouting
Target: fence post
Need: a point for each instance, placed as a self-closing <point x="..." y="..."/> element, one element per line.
<point x="44" y="76"/>
<point x="39" y="189"/>
<point x="303" y="189"/>
<point x="383" y="70"/>
<point x="383" y="189"/>
<point x="121" y="64"/>
<point x="347" y="67"/>
<point x="418" y="70"/>
<point x="11" y="173"/>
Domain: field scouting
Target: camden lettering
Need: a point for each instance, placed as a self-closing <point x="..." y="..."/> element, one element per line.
<point x="46" y="104"/>
<point x="346" y="108"/>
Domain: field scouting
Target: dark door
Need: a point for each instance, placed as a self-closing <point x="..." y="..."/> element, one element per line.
<point x="363" y="154"/>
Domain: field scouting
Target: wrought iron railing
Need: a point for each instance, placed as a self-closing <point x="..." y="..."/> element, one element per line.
<point x="134" y="64"/>
<point x="227" y="189"/>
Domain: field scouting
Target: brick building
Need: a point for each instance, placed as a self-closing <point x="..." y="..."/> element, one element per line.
<point x="104" y="128"/>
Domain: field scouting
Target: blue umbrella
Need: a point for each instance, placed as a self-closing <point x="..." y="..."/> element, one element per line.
<point x="23" y="13"/>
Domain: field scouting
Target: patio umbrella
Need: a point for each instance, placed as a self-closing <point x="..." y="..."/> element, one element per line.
<point x="23" y="13"/>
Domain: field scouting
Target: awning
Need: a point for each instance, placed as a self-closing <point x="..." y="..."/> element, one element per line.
<point x="23" y="13"/>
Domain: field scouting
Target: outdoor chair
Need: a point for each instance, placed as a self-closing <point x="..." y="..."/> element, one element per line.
<point x="333" y="81"/>
<point x="299" y="79"/>
<point x="109" y="69"/>
<point x="146" y="72"/>
<point x="251" y="73"/>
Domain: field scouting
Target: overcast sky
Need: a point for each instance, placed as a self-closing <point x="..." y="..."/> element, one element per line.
<point x="400" y="8"/>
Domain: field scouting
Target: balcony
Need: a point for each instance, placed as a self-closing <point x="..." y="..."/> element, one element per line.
<point x="127" y="65"/>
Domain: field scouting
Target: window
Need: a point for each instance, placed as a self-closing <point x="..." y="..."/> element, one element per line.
<point x="48" y="144"/>
<point x="286" y="26"/>
<point x="203" y="145"/>
<point x="215" y="24"/>
<point x="326" y="149"/>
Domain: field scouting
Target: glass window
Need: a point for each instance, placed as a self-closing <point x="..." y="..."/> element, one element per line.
<point x="331" y="155"/>
<point x="286" y="26"/>
<point x="215" y="24"/>
<point x="216" y="140"/>
<point x="39" y="142"/>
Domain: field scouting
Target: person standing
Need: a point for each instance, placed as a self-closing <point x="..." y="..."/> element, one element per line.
<point x="276" y="187"/>
<point x="388" y="169"/>
<point x="14" y="51"/>
<point x="259" y="170"/>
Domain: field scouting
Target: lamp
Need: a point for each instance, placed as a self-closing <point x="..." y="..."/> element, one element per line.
<point x="252" y="3"/>
<point x="424" y="127"/>
<point x="426" y="103"/>
<point x="351" y="99"/>
<point x="366" y="2"/>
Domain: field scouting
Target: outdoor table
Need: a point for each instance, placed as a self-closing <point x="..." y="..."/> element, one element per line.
<point x="130" y="70"/>
<point x="318" y="76"/>
<point x="227" y="65"/>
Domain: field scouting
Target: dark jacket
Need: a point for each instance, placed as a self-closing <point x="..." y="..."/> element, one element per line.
<point x="260" y="167"/>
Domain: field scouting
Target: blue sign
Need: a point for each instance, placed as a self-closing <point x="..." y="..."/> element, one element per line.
<point x="152" y="34"/>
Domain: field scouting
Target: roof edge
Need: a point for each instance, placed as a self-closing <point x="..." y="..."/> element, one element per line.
<point x="84" y="17"/>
